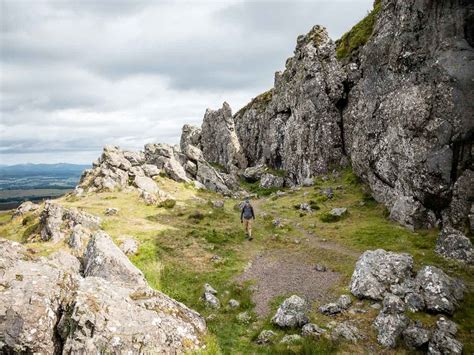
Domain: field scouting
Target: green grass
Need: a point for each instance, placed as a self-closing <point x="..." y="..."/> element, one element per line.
<point x="176" y="247"/>
<point x="255" y="188"/>
<point x="359" y="34"/>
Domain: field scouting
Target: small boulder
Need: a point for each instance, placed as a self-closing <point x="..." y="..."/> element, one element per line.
<point x="148" y="198"/>
<point x="78" y="236"/>
<point x="305" y="207"/>
<point x="347" y="331"/>
<point x="111" y="211"/>
<point x="389" y="328"/>
<point x="344" y="301"/>
<point x="328" y="192"/>
<point x="104" y="259"/>
<point x="25" y="207"/>
<point x="209" y="289"/>
<point x="338" y="212"/>
<point x="254" y="173"/>
<point x="151" y="170"/>
<point x="271" y="181"/>
<point x="266" y="337"/>
<point x="218" y="204"/>
<point x="320" y="268"/>
<point x="312" y="330"/>
<point x="393" y="305"/>
<point x="415" y="336"/>
<point x="291" y="313"/>
<point x="244" y="318"/>
<point x="330" y="309"/>
<point x="129" y="246"/>
<point x="443" y="341"/>
<point x="233" y="303"/>
<point x="291" y="339"/>
<point x="453" y="244"/>
<point x="210" y="300"/>
<point x="147" y="184"/>
<point x="307" y="182"/>
<point x="51" y="220"/>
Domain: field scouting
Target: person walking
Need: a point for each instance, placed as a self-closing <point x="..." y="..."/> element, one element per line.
<point x="246" y="216"/>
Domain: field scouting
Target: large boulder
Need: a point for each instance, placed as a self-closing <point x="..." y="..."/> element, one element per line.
<point x="291" y="313"/>
<point x="25" y="207"/>
<point x="377" y="270"/>
<point x="211" y="179"/>
<point x="147" y="184"/>
<point x="31" y="296"/>
<point x="100" y="319"/>
<point x="441" y="292"/>
<point x="104" y="259"/>
<point x="271" y="181"/>
<point x="51" y="221"/>
<point x="47" y="306"/>
<point x="254" y="173"/>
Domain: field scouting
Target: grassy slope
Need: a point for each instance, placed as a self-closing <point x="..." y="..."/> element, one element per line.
<point x="176" y="246"/>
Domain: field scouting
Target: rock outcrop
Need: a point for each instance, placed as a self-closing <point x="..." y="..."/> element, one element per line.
<point x="389" y="276"/>
<point x="295" y="126"/>
<point x="219" y="140"/>
<point x="410" y="135"/>
<point x="48" y="306"/>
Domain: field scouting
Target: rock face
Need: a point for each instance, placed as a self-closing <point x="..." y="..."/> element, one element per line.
<point x="57" y="221"/>
<point x="47" y="306"/>
<point x="295" y="126"/>
<point x="219" y="140"/>
<point x="410" y="135"/>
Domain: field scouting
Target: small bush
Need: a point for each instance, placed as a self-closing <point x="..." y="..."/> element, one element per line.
<point x="329" y="218"/>
<point x="196" y="216"/>
<point x="168" y="203"/>
<point x="27" y="220"/>
<point x="314" y="206"/>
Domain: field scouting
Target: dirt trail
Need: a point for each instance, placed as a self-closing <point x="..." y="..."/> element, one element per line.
<point x="283" y="272"/>
<point x="280" y="272"/>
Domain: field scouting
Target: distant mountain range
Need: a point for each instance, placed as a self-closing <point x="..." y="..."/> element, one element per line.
<point x="60" y="169"/>
<point x="36" y="182"/>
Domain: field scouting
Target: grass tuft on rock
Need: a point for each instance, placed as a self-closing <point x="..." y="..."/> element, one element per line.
<point x="359" y="34"/>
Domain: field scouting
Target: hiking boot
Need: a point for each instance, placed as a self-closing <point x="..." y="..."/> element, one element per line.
<point x="250" y="238"/>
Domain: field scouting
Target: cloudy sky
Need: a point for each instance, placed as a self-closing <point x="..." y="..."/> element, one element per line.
<point x="78" y="74"/>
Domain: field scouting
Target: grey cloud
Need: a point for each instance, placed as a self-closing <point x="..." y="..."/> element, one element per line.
<point x="76" y="75"/>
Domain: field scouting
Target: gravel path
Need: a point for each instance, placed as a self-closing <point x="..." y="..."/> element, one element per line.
<point x="281" y="272"/>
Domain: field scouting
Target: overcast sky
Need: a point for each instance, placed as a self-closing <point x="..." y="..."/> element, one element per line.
<point x="79" y="74"/>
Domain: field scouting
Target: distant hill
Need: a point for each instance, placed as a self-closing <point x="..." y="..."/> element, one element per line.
<point x="60" y="169"/>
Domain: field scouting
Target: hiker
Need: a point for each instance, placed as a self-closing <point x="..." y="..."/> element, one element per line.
<point x="246" y="216"/>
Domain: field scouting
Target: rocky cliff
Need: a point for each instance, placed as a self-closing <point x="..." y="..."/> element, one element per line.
<point x="398" y="108"/>
<point x="396" y="105"/>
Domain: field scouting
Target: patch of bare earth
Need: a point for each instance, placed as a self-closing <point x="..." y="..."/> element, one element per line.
<point x="280" y="272"/>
